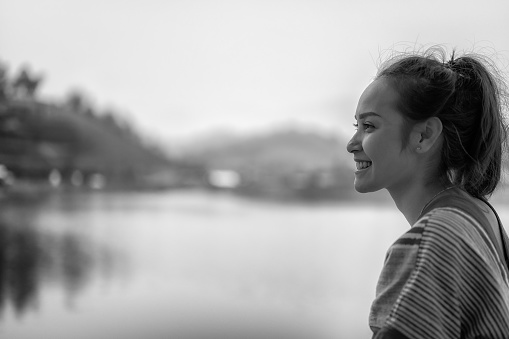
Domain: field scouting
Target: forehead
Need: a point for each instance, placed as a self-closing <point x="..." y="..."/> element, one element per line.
<point x="380" y="98"/>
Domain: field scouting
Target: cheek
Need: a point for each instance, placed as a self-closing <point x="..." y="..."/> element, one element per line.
<point x="373" y="145"/>
<point x="381" y="148"/>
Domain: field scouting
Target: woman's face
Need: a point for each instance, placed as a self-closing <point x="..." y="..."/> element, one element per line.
<point x="381" y="159"/>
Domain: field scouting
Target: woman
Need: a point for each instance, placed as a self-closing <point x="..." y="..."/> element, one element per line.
<point x="432" y="133"/>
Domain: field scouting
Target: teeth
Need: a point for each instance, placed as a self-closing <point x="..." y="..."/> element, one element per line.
<point x="362" y="164"/>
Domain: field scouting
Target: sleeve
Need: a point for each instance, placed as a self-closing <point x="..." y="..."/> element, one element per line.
<point x="428" y="306"/>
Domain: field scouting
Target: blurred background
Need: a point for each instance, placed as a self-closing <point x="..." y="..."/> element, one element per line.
<point x="177" y="169"/>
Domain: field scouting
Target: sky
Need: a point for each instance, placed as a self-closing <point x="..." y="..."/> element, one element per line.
<point x="178" y="69"/>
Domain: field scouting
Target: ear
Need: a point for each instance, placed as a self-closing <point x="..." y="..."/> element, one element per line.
<point x="426" y="134"/>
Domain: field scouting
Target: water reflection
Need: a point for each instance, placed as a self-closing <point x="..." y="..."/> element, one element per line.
<point x="188" y="265"/>
<point x="20" y="262"/>
<point x="32" y="257"/>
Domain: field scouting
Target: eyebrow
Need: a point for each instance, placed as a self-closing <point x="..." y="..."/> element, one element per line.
<point x="366" y="114"/>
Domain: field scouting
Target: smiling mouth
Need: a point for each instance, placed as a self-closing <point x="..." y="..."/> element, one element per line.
<point x="360" y="165"/>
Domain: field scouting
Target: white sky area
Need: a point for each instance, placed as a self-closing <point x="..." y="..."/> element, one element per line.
<point x="175" y="69"/>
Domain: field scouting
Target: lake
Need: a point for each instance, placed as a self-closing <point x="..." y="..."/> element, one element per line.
<point x="190" y="264"/>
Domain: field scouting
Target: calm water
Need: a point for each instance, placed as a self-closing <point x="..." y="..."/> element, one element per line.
<point x="189" y="265"/>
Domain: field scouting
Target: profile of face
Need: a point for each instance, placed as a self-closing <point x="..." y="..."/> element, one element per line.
<point x="382" y="161"/>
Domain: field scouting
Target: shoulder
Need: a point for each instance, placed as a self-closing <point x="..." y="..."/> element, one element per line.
<point x="451" y="223"/>
<point x="452" y="236"/>
<point x="457" y="215"/>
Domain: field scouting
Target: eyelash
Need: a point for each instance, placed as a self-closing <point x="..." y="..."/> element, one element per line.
<point x="366" y="126"/>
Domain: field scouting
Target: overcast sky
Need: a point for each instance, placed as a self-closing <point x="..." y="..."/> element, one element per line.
<point x="178" y="68"/>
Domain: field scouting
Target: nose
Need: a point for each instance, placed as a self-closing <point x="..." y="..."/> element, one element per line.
<point x="354" y="145"/>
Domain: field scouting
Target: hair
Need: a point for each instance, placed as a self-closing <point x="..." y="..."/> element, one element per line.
<point x="468" y="95"/>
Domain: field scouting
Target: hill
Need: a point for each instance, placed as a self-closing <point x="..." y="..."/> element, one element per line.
<point x="283" y="163"/>
<point x="38" y="138"/>
<point x="286" y="148"/>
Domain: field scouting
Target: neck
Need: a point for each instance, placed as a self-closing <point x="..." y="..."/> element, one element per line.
<point x="412" y="200"/>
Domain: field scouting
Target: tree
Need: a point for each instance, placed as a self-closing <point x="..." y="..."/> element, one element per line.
<point x="3" y="82"/>
<point x="26" y="84"/>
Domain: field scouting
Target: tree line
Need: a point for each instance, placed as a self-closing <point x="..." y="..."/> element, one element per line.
<point x="39" y="138"/>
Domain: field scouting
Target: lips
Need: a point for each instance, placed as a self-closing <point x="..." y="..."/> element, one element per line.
<point x="360" y="165"/>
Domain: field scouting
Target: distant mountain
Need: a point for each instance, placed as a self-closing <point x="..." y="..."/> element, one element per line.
<point x="283" y="149"/>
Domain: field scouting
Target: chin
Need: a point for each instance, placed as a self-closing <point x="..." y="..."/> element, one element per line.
<point x="361" y="190"/>
<point x="365" y="188"/>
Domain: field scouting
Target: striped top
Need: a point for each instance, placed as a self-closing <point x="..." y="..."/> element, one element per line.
<point x="444" y="278"/>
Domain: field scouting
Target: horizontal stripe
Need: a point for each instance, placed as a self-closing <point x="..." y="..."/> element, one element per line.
<point x="452" y="281"/>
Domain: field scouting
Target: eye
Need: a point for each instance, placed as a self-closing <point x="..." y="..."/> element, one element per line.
<point x="368" y="127"/>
